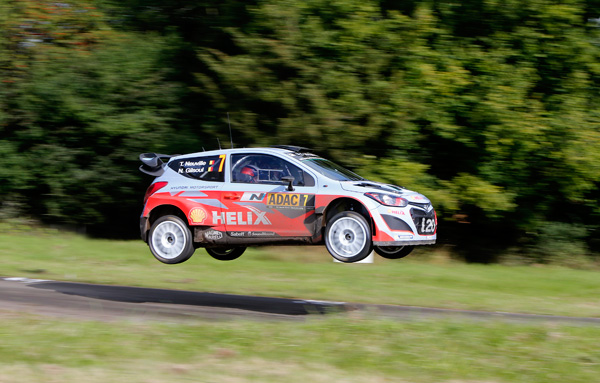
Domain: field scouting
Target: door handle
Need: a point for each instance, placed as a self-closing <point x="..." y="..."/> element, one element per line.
<point x="231" y="196"/>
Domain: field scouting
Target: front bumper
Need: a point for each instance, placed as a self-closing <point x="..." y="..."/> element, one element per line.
<point x="415" y="224"/>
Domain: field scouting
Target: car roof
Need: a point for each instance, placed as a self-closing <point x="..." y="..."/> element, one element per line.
<point x="278" y="149"/>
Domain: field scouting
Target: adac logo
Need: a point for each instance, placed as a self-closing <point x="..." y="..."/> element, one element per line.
<point x="290" y="200"/>
<point x="198" y="215"/>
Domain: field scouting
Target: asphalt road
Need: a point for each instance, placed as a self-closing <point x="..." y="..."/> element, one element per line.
<point x="101" y="302"/>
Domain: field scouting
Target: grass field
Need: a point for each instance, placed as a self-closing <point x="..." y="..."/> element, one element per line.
<point x="422" y="279"/>
<point x="337" y="348"/>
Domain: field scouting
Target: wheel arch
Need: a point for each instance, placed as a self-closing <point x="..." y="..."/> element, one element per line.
<point x="341" y="204"/>
<point x="156" y="213"/>
<point x="162" y="210"/>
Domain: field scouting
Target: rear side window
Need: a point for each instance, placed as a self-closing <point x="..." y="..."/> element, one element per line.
<point x="205" y="168"/>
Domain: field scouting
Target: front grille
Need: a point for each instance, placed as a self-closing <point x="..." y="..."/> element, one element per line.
<point x="418" y="213"/>
<point x="424" y="206"/>
<point x="424" y="220"/>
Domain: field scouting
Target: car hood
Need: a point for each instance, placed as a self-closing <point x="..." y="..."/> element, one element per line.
<point x="366" y="186"/>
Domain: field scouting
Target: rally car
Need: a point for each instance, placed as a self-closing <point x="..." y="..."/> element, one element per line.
<point x="226" y="200"/>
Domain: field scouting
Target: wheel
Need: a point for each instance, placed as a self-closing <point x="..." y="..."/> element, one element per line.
<point x="393" y="252"/>
<point x="170" y="240"/>
<point x="348" y="237"/>
<point x="225" y="253"/>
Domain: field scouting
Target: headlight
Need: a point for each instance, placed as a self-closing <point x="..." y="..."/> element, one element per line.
<point x="388" y="199"/>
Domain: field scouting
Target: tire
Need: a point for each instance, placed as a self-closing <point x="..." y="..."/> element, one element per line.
<point x="170" y="240"/>
<point x="348" y="237"/>
<point x="225" y="253"/>
<point x="393" y="252"/>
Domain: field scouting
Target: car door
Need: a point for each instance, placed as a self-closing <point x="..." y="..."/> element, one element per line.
<point x="257" y="202"/>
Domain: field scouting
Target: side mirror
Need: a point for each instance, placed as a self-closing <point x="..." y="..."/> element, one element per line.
<point x="290" y="182"/>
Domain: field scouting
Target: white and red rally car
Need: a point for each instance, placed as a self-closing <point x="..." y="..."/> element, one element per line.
<point x="226" y="200"/>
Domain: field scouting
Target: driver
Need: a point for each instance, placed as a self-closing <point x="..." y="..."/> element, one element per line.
<point x="250" y="174"/>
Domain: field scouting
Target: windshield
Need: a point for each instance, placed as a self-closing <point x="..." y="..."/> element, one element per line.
<point x="332" y="170"/>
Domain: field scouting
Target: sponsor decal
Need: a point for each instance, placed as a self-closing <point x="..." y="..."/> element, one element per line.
<point x="261" y="234"/>
<point x="194" y="187"/>
<point x="251" y="234"/>
<point x="253" y="197"/>
<point x="395" y="211"/>
<point x="290" y="201"/>
<point x="241" y="218"/>
<point x="198" y="215"/>
<point x="404" y="237"/>
<point x="213" y="235"/>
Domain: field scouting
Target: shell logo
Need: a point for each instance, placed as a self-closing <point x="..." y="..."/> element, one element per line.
<point x="198" y="215"/>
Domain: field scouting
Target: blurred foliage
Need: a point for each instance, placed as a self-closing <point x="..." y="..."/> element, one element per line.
<point x="78" y="104"/>
<point x="558" y="242"/>
<point x="489" y="108"/>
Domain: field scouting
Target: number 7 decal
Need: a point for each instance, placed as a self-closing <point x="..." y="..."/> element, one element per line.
<point x="222" y="157"/>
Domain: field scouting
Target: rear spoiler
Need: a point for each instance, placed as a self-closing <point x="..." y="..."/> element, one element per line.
<point x="152" y="163"/>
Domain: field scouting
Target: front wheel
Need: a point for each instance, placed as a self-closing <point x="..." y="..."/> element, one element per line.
<point x="393" y="252"/>
<point x="170" y="240"/>
<point x="225" y="253"/>
<point x="348" y="237"/>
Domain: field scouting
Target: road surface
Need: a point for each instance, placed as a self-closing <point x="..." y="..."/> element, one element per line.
<point x="102" y="302"/>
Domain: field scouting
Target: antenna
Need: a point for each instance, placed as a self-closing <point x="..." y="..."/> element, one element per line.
<point x="230" y="135"/>
<point x="219" y="143"/>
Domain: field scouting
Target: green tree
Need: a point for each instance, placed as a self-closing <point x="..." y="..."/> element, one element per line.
<point x="488" y="107"/>
<point x="81" y="110"/>
<point x="491" y="105"/>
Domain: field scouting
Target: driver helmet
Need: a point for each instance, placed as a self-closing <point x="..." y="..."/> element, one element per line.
<point x="251" y="171"/>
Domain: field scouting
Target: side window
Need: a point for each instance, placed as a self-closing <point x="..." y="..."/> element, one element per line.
<point x="207" y="168"/>
<point x="266" y="169"/>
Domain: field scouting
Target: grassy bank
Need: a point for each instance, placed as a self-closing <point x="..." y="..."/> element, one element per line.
<point x="308" y="273"/>
<point x="326" y="350"/>
<point x="339" y="348"/>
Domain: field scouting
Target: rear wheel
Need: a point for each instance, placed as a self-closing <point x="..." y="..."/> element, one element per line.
<point x="225" y="253"/>
<point x="170" y="240"/>
<point x="393" y="252"/>
<point x="348" y="237"/>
